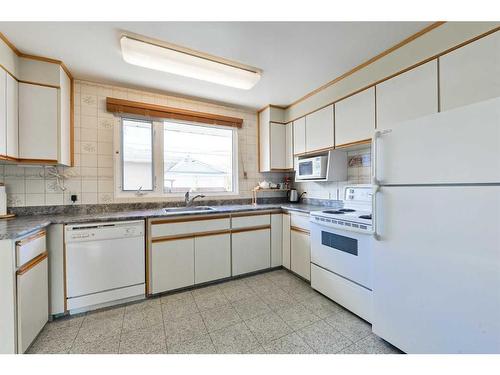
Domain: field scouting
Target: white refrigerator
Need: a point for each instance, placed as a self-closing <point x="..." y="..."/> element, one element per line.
<point x="437" y="224"/>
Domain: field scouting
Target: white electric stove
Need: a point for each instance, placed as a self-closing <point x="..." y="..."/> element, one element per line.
<point x="341" y="251"/>
<point x="355" y="214"/>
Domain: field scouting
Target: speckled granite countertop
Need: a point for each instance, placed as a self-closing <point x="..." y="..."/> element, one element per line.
<point x="22" y="225"/>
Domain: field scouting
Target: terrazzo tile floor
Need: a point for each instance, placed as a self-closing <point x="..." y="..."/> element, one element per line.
<point x="273" y="312"/>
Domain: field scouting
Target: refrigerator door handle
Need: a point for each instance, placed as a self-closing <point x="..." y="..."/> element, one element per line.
<point x="375" y="180"/>
<point x="376" y="136"/>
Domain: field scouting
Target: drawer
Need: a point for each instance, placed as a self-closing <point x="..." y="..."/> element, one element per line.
<point x="250" y="220"/>
<point x="30" y="247"/>
<point x="174" y="227"/>
<point x="300" y="221"/>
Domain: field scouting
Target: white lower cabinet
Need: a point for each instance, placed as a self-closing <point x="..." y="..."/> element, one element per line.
<point x="172" y="264"/>
<point x="276" y="240"/>
<point x="286" y="241"/>
<point x="251" y="250"/>
<point x="212" y="257"/>
<point x="32" y="303"/>
<point x="300" y="253"/>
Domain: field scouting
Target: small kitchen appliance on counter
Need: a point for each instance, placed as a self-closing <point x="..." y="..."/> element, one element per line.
<point x="293" y="196"/>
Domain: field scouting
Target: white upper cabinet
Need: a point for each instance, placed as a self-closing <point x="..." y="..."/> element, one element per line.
<point x="471" y="73"/>
<point x="12" y="117"/>
<point x="3" y="113"/>
<point x="299" y="136"/>
<point x="277" y="133"/>
<point x="272" y="140"/>
<point x="38" y="122"/>
<point x="289" y="145"/>
<point x="355" y="118"/>
<point x="319" y="129"/>
<point x="410" y="95"/>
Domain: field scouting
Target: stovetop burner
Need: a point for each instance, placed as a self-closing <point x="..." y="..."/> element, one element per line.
<point x="335" y="212"/>
<point x="347" y="210"/>
<point x="369" y="217"/>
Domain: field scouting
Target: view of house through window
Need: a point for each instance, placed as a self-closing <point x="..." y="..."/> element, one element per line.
<point x="137" y="155"/>
<point x="197" y="157"/>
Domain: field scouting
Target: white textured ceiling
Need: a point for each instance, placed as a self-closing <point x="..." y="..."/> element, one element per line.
<point x="296" y="57"/>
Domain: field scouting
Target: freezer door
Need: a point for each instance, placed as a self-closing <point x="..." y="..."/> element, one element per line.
<point x="437" y="269"/>
<point x="457" y="146"/>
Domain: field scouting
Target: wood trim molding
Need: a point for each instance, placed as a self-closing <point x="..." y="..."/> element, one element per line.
<point x="271" y="106"/>
<point x="355" y="143"/>
<point x="186" y="219"/>
<point x="374" y="84"/>
<point x="32" y="263"/>
<point x="251" y="229"/>
<point x="39" y="84"/>
<point x="297" y="229"/>
<point x="122" y="106"/>
<point x="34" y="57"/>
<point x="190" y="235"/>
<point x="28" y="239"/>
<point x="252" y="213"/>
<point x="411" y="38"/>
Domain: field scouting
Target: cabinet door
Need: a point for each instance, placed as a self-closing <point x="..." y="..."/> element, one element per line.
<point x="212" y="257"/>
<point x="471" y="73"/>
<point x="38" y="122"/>
<point x="299" y="136"/>
<point x="289" y="146"/>
<point x="355" y="118"/>
<point x="300" y="253"/>
<point x="286" y="241"/>
<point x="172" y="264"/>
<point x="3" y="112"/>
<point x="32" y="303"/>
<point x="277" y="145"/>
<point x="276" y="240"/>
<point x="12" y="117"/>
<point x="319" y="129"/>
<point x="408" y="96"/>
<point x="251" y="251"/>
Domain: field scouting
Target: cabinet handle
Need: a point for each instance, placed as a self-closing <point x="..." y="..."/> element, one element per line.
<point x="32" y="263"/>
<point x="300" y="230"/>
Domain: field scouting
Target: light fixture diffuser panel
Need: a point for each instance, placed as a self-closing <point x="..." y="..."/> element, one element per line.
<point x="169" y="60"/>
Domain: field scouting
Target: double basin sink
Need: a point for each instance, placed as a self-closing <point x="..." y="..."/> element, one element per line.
<point x="188" y="210"/>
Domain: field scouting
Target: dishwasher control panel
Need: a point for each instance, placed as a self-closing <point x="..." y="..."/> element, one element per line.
<point x="104" y="231"/>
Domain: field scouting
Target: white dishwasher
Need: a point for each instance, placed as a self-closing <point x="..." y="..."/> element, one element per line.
<point x="105" y="264"/>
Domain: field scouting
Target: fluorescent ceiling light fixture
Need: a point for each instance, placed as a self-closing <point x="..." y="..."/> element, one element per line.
<point x="188" y="63"/>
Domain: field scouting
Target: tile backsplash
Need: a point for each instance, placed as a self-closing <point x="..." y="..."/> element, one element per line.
<point x="92" y="177"/>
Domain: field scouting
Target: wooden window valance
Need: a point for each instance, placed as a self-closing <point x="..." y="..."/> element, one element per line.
<point x="121" y="106"/>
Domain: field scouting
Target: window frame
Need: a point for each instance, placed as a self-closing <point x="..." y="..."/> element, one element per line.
<point x="158" y="162"/>
<point x="122" y="161"/>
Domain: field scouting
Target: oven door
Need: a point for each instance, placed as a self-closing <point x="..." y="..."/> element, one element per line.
<point x="346" y="253"/>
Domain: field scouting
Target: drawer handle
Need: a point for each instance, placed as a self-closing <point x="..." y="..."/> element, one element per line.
<point x="24" y="241"/>
<point x="297" y="229"/>
<point x="32" y="263"/>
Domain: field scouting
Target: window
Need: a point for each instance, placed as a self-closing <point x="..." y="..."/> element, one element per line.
<point x="137" y="155"/>
<point x="184" y="156"/>
<point x="198" y="158"/>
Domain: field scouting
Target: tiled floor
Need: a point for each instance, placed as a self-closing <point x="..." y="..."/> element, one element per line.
<point x="273" y="312"/>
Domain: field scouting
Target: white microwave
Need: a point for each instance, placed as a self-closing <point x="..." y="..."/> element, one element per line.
<point x="314" y="168"/>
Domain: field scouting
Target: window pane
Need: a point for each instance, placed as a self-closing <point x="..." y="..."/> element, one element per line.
<point x="137" y="155"/>
<point x="198" y="158"/>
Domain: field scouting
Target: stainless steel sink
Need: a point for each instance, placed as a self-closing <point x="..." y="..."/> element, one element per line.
<point x="192" y="209"/>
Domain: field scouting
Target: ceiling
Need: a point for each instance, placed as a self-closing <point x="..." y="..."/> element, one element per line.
<point x="296" y="57"/>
